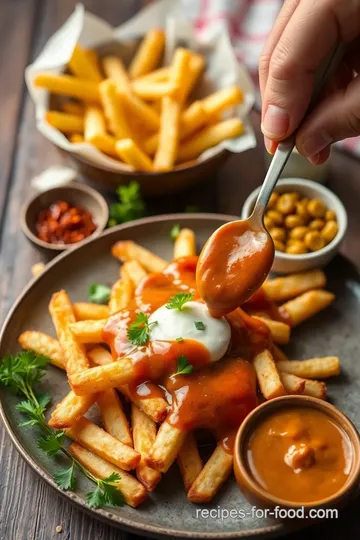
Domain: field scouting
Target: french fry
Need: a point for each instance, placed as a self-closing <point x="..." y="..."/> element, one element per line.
<point x="105" y="143"/>
<point x="82" y="65"/>
<point x="213" y="475"/>
<point x="165" y="155"/>
<point x="315" y="389"/>
<point x="99" y="378"/>
<point x="278" y="354"/>
<point x="62" y="315"/>
<point x="280" y="332"/>
<point x="131" y="154"/>
<point x="292" y="383"/>
<point x="144" y="433"/>
<point x="208" y="137"/>
<point x="72" y="107"/>
<point x="133" y="491"/>
<point x="113" y="417"/>
<point x="196" y="67"/>
<point x="126" y="250"/>
<point x="89" y="331"/>
<point x="179" y="70"/>
<point x="114" y="110"/>
<point x="222" y="99"/>
<point x="306" y="305"/>
<point x="185" y="244"/>
<point x="94" y="122"/>
<point x="76" y="138"/>
<point x="133" y="271"/>
<point x="103" y="444"/>
<point x="68" y="86"/>
<point x="120" y="296"/>
<point x="99" y="356"/>
<point x="143" y="112"/>
<point x="153" y="90"/>
<point x="314" y="368"/>
<point x="283" y="288"/>
<point x="158" y="75"/>
<point x="167" y="444"/>
<point x="70" y="409"/>
<point x="114" y="69"/>
<point x="189" y="461"/>
<point x="268" y="376"/>
<point x="84" y="311"/>
<point x="67" y="123"/>
<point x="148" y="55"/>
<point x="37" y="269"/>
<point x="42" y="344"/>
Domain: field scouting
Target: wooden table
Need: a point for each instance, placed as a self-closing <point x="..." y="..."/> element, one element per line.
<point x="29" y="509"/>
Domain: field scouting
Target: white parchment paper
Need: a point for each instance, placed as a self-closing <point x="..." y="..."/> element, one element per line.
<point x="222" y="69"/>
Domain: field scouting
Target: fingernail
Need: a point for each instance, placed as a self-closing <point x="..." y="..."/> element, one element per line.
<point x="276" y="122"/>
<point x="314" y="143"/>
<point x="270" y="145"/>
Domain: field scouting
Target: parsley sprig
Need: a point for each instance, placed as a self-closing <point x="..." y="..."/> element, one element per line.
<point x="99" y="293"/>
<point x="139" y="331"/>
<point x="179" y="300"/>
<point x="130" y="206"/>
<point x="20" y="373"/>
<point x="184" y="367"/>
<point x="174" y="232"/>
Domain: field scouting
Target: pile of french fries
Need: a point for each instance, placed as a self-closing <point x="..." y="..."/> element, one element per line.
<point x="144" y="441"/>
<point x="141" y="115"/>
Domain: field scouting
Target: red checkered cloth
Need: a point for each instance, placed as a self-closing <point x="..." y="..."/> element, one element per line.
<point x="248" y="23"/>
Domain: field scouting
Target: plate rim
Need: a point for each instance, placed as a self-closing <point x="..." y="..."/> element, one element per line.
<point x="100" y="513"/>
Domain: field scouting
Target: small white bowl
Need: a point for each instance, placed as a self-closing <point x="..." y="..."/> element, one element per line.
<point x="284" y="263"/>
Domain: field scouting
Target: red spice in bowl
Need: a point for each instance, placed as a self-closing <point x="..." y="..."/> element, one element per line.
<point x="63" y="223"/>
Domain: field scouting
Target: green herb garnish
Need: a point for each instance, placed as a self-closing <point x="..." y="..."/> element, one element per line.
<point x="179" y="300"/>
<point x="174" y="232"/>
<point x="99" y="293"/>
<point x="130" y="206"/>
<point x="20" y="373"/>
<point x="179" y="339"/>
<point x="199" y="325"/>
<point x="183" y="368"/>
<point x="139" y="331"/>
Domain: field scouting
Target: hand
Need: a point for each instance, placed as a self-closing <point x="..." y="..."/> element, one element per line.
<point x="303" y="35"/>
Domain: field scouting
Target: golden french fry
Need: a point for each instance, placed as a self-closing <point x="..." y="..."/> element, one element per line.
<point x="315" y="389"/>
<point x="72" y="107"/>
<point x="306" y="305"/>
<point x="213" y="475"/>
<point x="133" y="272"/>
<point x="82" y="65"/>
<point x="280" y="332"/>
<point x="70" y="409"/>
<point x="99" y="356"/>
<point x="103" y="444"/>
<point x="179" y="70"/>
<point x="196" y="67"/>
<point x="222" y="99"/>
<point x="166" y="447"/>
<point x="189" y="461"/>
<point x="84" y="311"/>
<point x="67" y="123"/>
<point x="153" y="90"/>
<point x="89" y="331"/>
<point x="94" y="122"/>
<point x="131" y="154"/>
<point x="283" y="288"/>
<point x="99" y="378"/>
<point x="68" y="86"/>
<point x="114" y="69"/>
<point x="314" y="368"/>
<point x="42" y="344"/>
<point x="208" y="137"/>
<point x="143" y="112"/>
<point x="159" y="75"/>
<point x="165" y="155"/>
<point x="133" y="491"/>
<point x="149" y="53"/>
<point x="105" y="143"/>
<point x="113" y="417"/>
<point x="292" y="383"/>
<point x="37" y="269"/>
<point x="185" y="244"/>
<point x="126" y="250"/>
<point x="121" y="294"/>
<point x="114" y="110"/>
<point x="268" y="376"/>
<point x="63" y="316"/>
<point x="278" y="354"/>
<point x="144" y="433"/>
<point x="76" y="138"/>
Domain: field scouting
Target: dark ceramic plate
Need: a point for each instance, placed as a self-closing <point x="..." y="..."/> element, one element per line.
<point x="167" y="511"/>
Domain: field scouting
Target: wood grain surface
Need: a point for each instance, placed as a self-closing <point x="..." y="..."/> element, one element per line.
<point x="29" y="509"/>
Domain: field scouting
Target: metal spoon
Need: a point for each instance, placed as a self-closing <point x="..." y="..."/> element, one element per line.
<point x="238" y="256"/>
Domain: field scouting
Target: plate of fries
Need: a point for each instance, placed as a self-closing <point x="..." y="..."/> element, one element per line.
<point x="154" y="107"/>
<point x="95" y="447"/>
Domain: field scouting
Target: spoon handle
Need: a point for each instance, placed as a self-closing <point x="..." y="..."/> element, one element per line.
<point x="286" y="146"/>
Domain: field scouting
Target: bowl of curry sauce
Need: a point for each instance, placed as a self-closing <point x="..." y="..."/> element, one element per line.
<point x="297" y="452"/>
